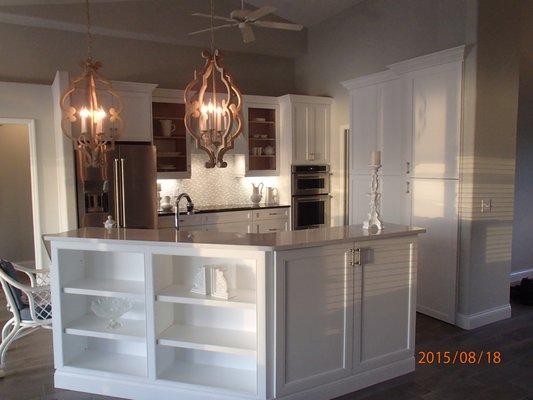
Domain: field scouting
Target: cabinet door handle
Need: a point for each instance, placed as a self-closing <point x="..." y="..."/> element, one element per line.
<point x="355" y="257"/>
<point x="407" y="167"/>
<point x="407" y="187"/>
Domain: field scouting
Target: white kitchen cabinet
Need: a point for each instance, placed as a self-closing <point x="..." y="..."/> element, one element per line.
<point x="436" y="120"/>
<point x="395" y="199"/>
<point x="236" y="227"/>
<point x="359" y="186"/>
<point x="352" y="304"/>
<point x="247" y="221"/>
<point x="377" y="121"/>
<point x="271" y="225"/>
<point x="271" y="213"/>
<point x="385" y="311"/>
<point x="261" y="130"/>
<point x="412" y="113"/>
<point x="434" y="207"/>
<point x="195" y="221"/>
<point x="137" y="111"/>
<point x="308" y="121"/>
<point x="314" y="317"/>
<point x="173" y="152"/>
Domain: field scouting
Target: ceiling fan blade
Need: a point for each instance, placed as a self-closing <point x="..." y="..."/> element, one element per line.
<point x="215" y="28"/>
<point x="278" y="25"/>
<point x="214" y="17"/>
<point x="260" y="12"/>
<point x="247" y="33"/>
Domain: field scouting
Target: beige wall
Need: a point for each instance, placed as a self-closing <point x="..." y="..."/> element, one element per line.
<point x="488" y="165"/>
<point x="34" y="55"/>
<point x="363" y="40"/>
<point x="26" y="101"/>
<point x="16" y="233"/>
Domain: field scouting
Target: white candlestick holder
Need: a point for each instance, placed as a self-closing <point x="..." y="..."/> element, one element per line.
<point x="373" y="218"/>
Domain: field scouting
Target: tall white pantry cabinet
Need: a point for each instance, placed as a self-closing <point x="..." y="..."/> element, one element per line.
<point x="412" y="113"/>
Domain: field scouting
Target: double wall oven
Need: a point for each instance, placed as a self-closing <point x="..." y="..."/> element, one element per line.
<point x="310" y="196"/>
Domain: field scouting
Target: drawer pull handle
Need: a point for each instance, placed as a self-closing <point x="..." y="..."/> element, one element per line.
<point x="273" y="213"/>
<point x="272" y="229"/>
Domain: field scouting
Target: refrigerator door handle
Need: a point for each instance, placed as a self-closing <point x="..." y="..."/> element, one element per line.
<point x="123" y="193"/>
<point x="117" y="193"/>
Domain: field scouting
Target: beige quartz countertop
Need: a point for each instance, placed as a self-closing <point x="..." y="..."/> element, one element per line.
<point x="257" y="241"/>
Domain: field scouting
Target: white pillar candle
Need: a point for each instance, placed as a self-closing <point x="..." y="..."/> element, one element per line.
<point x="100" y="115"/>
<point x="219" y="119"/>
<point x="376" y="158"/>
<point x="84" y="113"/>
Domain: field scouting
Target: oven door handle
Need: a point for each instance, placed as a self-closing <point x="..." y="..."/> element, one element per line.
<point x="312" y="176"/>
<point x="308" y="199"/>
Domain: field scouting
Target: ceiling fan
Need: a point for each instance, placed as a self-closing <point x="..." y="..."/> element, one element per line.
<point x="245" y="19"/>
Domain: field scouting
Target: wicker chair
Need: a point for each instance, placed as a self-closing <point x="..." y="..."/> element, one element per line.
<point x="30" y="305"/>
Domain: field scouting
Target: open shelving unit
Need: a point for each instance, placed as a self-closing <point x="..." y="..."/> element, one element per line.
<point x="200" y="339"/>
<point x="172" y="150"/>
<point x="262" y="140"/>
<point x="171" y="336"/>
<point x="88" y="342"/>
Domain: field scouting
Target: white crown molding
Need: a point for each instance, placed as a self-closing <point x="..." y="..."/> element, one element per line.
<point x="455" y="54"/>
<point x="298" y="98"/>
<point x="369" y="80"/>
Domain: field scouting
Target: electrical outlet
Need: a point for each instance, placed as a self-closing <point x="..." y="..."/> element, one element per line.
<point x="486" y="205"/>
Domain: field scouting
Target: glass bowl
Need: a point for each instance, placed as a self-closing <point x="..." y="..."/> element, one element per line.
<point x="111" y="309"/>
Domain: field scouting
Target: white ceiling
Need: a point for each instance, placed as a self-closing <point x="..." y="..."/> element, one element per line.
<point x="306" y="12"/>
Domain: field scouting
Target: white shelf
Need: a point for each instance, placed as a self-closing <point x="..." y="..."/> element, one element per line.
<point x="106" y="288"/>
<point x="209" y="339"/>
<point x="239" y="298"/>
<point x="110" y="363"/>
<point x="238" y="380"/>
<point x="93" y="326"/>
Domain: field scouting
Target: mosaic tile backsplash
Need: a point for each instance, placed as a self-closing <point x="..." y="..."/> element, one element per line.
<point x="216" y="186"/>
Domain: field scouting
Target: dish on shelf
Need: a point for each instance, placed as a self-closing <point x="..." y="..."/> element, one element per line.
<point x="256" y="136"/>
<point x="263" y="136"/>
<point x="166" y="167"/>
<point x="260" y="119"/>
<point x="111" y="308"/>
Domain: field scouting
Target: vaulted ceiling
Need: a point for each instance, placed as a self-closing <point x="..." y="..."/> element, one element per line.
<point x="170" y="21"/>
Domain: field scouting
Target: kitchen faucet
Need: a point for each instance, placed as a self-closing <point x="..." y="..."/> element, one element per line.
<point x="190" y="207"/>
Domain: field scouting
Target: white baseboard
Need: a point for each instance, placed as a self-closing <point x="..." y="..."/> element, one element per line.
<point x="517" y="276"/>
<point x="473" y="321"/>
<point x="435" y="314"/>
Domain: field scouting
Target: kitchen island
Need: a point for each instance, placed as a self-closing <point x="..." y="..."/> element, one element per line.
<point x="311" y="314"/>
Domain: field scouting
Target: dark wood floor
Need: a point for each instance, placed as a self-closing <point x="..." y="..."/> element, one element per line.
<point x="31" y="366"/>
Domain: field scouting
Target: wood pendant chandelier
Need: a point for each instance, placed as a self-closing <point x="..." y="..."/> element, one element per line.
<point x="92" y="124"/>
<point x="213" y="107"/>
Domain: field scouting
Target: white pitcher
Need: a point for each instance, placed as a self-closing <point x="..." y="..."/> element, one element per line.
<point x="272" y="195"/>
<point x="167" y="127"/>
<point x="257" y="193"/>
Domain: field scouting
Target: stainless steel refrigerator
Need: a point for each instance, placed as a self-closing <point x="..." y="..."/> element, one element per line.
<point x="125" y="188"/>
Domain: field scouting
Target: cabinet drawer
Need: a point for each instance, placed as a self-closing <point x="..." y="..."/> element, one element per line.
<point x="274" y="225"/>
<point x="167" y="221"/>
<point x="272" y="213"/>
<point x="229" y="216"/>
<point x="233" y="227"/>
